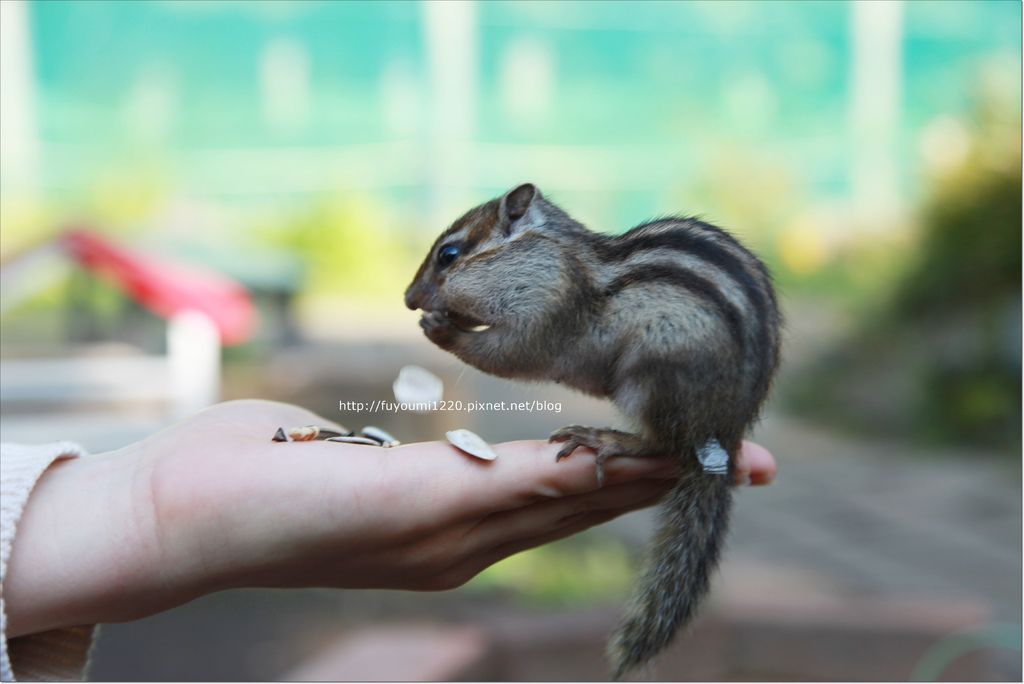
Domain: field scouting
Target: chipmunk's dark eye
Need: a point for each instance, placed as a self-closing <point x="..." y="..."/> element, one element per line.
<point x="447" y="254"/>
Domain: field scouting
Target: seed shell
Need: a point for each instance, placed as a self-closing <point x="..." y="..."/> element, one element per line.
<point x="471" y="443"/>
<point x="383" y="437"/>
<point x="327" y="433"/>
<point x="714" y="458"/>
<point x="305" y="433"/>
<point x="416" y="385"/>
<point x="346" y="439"/>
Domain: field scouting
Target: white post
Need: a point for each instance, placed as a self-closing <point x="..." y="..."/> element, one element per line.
<point x="193" y="359"/>
<point x="450" y="37"/>
<point x="875" y="102"/>
<point x="19" y="142"/>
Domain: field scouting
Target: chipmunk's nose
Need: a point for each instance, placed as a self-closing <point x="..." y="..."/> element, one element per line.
<point x="414" y="296"/>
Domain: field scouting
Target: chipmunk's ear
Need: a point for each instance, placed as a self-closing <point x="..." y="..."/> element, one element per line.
<point x="518" y="208"/>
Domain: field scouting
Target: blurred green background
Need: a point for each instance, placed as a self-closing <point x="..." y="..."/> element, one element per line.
<point x="870" y="152"/>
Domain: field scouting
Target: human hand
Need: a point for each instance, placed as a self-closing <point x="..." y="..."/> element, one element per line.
<point x="211" y="503"/>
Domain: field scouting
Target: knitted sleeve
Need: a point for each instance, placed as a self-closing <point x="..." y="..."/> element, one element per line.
<point x="59" y="654"/>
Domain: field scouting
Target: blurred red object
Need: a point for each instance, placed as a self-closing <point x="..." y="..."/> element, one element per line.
<point x="164" y="287"/>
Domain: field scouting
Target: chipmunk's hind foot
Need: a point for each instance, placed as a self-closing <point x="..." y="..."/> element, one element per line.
<point x="604" y="442"/>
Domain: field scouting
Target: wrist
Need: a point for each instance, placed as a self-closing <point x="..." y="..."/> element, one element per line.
<point x="87" y="549"/>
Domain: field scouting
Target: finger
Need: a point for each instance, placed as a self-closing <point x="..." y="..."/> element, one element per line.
<point x="526" y="521"/>
<point x="754" y="465"/>
<point x="523" y="473"/>
<point x="533" y="474"/>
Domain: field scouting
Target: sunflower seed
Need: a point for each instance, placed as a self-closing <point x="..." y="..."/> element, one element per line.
<point x="472" y="444"/>
<point x="417" y="386"/>
<point x="376" y="434"/>
<point x="345" y="439"/>
<point x="327" y="433"/>
<point x="306" y="433"/>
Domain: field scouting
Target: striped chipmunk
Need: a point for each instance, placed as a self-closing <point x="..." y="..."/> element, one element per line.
<point x="674" y="321"/>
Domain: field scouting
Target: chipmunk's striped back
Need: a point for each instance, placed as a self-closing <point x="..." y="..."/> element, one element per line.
<point x="708" y="261"/>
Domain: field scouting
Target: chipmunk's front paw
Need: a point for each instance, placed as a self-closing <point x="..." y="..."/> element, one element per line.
<point x="439" y="329"/>
<point x="605" y="443"/>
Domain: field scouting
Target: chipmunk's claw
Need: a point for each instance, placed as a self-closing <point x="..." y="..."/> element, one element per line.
<point x="604" y="443"/>
<point x="567" y="450"/>
<point x="574" y="436"/>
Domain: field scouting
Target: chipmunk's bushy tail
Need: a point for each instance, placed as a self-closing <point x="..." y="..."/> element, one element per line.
<point x="685" y="552"/>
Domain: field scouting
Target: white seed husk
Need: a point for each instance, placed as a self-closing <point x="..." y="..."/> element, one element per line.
<point x="416" y="385"/>
<point x="471" y="443"/>
<point x="714" y="458"/>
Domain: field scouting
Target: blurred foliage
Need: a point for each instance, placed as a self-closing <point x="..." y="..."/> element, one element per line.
<point x="350" y="245"/>
<point x="970" y="251"/>
<point x="584" y="569"/>
<point x="939" y="357"/>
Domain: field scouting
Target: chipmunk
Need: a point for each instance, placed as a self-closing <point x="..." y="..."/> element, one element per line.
<point x="674" y="321"/>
